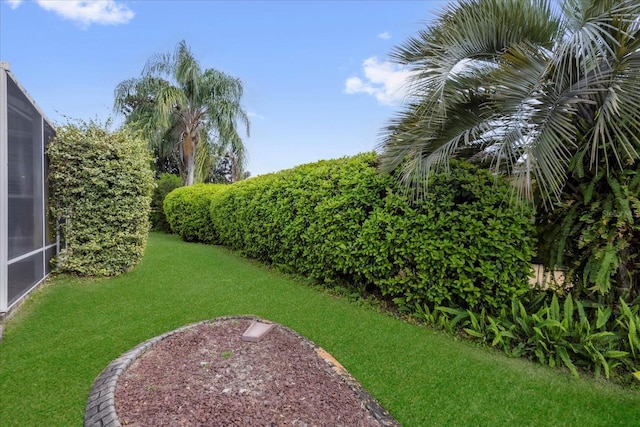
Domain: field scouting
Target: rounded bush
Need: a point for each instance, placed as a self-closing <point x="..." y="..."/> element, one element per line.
<point x="187" y="211"/>
<point x="304" y="219"/>
<point x="243" y="217"/>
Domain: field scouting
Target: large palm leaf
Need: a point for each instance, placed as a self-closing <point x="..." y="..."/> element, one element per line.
<point x="551" y="84"/>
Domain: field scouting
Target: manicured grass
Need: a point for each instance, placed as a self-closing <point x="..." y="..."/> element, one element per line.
<point x="71" y="329"/>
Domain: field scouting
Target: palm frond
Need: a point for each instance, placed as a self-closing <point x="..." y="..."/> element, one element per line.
<point x="186" y="71"/>
<point x="454" y="65"/>
<point x="554" y="86"/>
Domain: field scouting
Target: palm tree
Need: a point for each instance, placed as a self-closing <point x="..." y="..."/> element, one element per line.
<point x="548" y="93"/>
<point x="526" y="85"/>
<point x="186" y="112"/>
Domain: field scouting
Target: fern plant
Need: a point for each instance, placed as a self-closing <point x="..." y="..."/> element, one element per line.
<point x="595" y="233"/>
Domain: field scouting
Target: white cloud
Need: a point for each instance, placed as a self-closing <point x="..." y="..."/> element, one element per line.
<point x="86" y="12"/>
<point x="386" y="81"/>
<point x="385" y="35"/>
<point x="14" y="3"/>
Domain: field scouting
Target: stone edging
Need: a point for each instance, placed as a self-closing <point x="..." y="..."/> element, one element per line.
<point x="101" y="411"/>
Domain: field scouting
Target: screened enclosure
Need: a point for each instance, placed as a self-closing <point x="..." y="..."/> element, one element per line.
<point x="27" y="236"/>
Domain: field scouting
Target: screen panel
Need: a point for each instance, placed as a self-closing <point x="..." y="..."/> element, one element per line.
<point x="23" y="275"/>
<point x="25" y="198"/>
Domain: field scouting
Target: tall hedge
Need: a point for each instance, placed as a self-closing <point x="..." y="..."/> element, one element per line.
<point x="342" y="222"/>
<point x="101" y="184"/>
<point x="187" y="211"/>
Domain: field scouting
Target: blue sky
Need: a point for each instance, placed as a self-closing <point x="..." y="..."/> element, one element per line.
<point x="317" y="77"/>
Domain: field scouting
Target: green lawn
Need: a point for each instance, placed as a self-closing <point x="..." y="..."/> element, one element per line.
<point x="67" y="332"/>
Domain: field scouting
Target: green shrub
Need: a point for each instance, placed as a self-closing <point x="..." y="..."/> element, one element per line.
<point x="101" y="184"/>
<point x="341" y="222"/>
<point x="165" y="185"/>
<point x="464" y="245"/>
<point x="332" y="245"/>
<point x="187" y="211"/>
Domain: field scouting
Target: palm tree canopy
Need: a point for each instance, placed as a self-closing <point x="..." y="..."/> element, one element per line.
<point x="539" y="89"/>
<point x="180" y="107"/>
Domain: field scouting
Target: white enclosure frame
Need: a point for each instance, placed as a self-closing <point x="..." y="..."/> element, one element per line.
<point x="7" y="301"/>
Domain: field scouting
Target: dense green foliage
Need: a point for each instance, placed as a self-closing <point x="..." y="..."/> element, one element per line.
<point x="343" y="223"/>
<point x="101" y="184"/>
<point x="187" y="211"/>
<point x="595" y="234"/>
<point x="305" y="219"/>
<point x="69" y="331"/>
<point x="164" y="185"/>
<point x="531" y="85"/>
<point x="462" y="245"/>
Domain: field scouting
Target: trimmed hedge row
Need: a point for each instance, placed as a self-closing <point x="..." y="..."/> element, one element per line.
<point x="458" y="260"/>
<point x="342" y="222"/>
<point x="187" y="211"/>
<point x="305" y="219"/>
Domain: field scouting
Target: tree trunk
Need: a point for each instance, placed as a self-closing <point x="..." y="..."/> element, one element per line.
<point x="189" y="153"/>
<point x="191" y="163"/>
